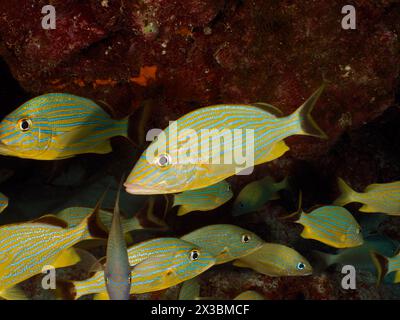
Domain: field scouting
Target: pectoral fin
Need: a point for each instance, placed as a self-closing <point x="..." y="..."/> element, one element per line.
<point x="367" y="208"/>
<point x="241" y="264"/>
<point x="183" y="210"/>
<point x="306" y="234"/>
<point x="14" y="293"/>
<point x="68" y="257"/>
<point x="101" y="296"/>
<point x="397" y="277"/>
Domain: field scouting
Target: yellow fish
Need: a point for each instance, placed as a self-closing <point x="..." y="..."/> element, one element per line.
<point x="386" y="265"/>
<point x="157" y="264"/>
<point x="190" y="290"/>
<point x="250" y="295"/>
<point x="256" y="194"/>
<point x="3" y="202"/>
<point x="25" y="248"/>
<point x="332" y="225"/>
<point x="178" y="160"/>
<point x="58" y="126"/>
<point x="226" y="242"/>
<point x="74" y="216"/>
<point x="276" y="260"/>
<point x="205" y="199"/>
<point x="382" y="198"/>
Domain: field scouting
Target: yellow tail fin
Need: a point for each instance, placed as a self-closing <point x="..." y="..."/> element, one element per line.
<point x="347" y="193"/>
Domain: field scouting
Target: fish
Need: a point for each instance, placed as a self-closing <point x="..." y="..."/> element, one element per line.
<point x="58" y="126"/>
<point x="332" y="225"/>
<point x="276" y="260"/>
<point x="376" y="198"/>
<point x="74" y="215"/>
<point x="205" y="199"/>
<point x="386" y="265"/>
<point x="27" y="247"/>
<point x="3" y="202"/>
<point x="226" y="242"/>
<point x="157" y="264"/>
<point x="117" y="272"/>
<point x="257" y="193"/>
<point x="165" y="166"/>
<point x="360" y="257"/>
<point x="190" y="290"/>
<point x="250" y="295"/>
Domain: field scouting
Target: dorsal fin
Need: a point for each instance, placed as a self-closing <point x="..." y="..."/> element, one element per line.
<point x="95" y="225"/>
<point x="269" y="108"/>
<point x="52" y="220"/>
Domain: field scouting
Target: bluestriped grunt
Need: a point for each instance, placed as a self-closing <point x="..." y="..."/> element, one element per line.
<point x="332" y="225"/>
<point x="168" y="167"/>
<point x="157" y="264"/>
<point x="380" y="198"/>
<point x="58" y="126"/>
<point x="25" y="248"/>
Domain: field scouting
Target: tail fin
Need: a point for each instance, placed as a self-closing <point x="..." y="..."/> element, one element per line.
<point x="346" y="193"/>
<point x="65" y="290"/>
<point x="92" y="224"/>
<point x="282" y="184"/>
<point x="381" y="264"/>
<point x="299" y="210"/>
<point x="308" y="125"/>
<point x="323" y="260"/>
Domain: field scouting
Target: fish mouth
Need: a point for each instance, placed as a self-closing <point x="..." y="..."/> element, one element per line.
<point x="135" y="188"/>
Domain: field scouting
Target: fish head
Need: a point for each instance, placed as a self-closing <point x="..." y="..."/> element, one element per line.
<point x="160" y="175"/>
<point x="118" y="285"/>
<point x="297" y="265"/>
<point x="226" y="242"/>
<point x="248" y="200"/>
<point x="241" y="242"/>
<point x="25" y="132"/>
<point x="225" y="192"/>
<point x="162" y="271"/>
<point x="353" y="236"/>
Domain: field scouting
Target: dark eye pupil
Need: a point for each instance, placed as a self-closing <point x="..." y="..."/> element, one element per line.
<point x="241" y="205"/>
<point x="25" y="125"/>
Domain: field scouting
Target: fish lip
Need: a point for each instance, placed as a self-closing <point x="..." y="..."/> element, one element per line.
<point x="135" y="188"/>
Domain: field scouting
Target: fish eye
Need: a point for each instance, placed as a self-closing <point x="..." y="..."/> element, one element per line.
<point x="246" y="238"/>
<point x="194" y="255"/>
<point x="241" y="204"/>
<point x="163" y="160"/>
<point x="300" y="266"/>
<point x="24" y="124"/>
